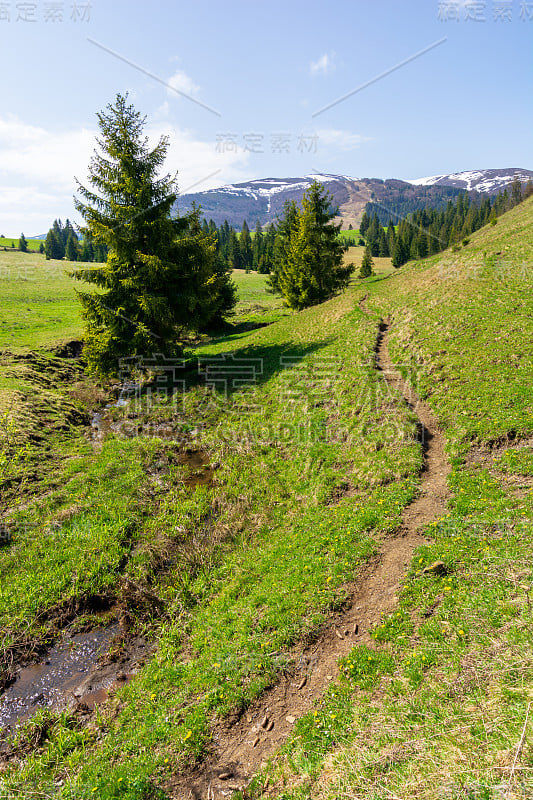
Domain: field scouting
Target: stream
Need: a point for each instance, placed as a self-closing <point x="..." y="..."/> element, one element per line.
<point x="75" y="671"/>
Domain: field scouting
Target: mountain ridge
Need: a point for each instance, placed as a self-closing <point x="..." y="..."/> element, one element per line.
<point x="263" y="199"/>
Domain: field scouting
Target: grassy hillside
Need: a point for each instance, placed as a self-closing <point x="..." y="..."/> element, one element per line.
<point x="33" y="244"/>
<point x="382" y="266"/>
<point x="447" y="721"/>
<point x="38" y="308"/>
<point x="311" y="467"/>
<point x="44" y="396"/>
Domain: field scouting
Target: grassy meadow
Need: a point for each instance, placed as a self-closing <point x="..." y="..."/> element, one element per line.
<point x="444" y="716"/>
<point x="382" y="266"/>
<point x="313" y="462"/>
<point x="33" y="244"/>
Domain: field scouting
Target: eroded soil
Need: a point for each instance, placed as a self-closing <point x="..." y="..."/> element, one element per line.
<point x="239" y="750"/>
<point x="80" y="672"/>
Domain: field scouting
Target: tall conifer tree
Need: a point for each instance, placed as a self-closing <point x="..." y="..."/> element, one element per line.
<point x="313" y="269"/>
<point x="160" y="278"/>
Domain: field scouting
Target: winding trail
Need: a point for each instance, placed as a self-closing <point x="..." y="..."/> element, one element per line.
<point x="239" y="750"/>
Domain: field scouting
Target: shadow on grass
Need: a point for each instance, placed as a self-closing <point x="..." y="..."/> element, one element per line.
<point x="229" y="372"/>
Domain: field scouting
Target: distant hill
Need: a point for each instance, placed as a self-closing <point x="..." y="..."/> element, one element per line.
<point x="264" y="199"/>
<point x="491" y="181"/>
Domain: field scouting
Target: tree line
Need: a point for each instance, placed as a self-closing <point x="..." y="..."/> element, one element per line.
<point x="62" y="241"/>
<point x="239" y="250"/>
<point x="429" y="230"/>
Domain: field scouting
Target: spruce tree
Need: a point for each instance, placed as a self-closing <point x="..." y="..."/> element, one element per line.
<point x="245" y="243"/>
<point x="365" y="222"/>
<point x="23" y="244"/>
<point x="283" y="236"/>
<point x="57" y="227"/>
<point x="516" y="191"/>
<point x="71" y="250"/>
<point x="367" y="264"/>
<point x="68" y="232"/>
<point x="100" y="253"/>
<point x="257" y="248"/>
<point x="398" y="254"/>
<point x="422" y="244"/>
<point x="160" y="278"/>
<point x="234" y="251"/>
<point x="87" y="252"/>
<point x="391" y="236"/>
<point x="49" y="245"/>
<point x="53" y="245"/>
<point x="383" y="244"/>
<point x="313" y="268"/>
<point x="269" y="249"/>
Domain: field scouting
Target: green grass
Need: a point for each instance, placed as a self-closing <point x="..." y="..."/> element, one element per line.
<point x="256" y="304"/>
<point x="354" y="234"/>
<point x="33" y="244"/>
<point x="309" y="476"/>
<point x="441" y="701"/>
<point x="264" y="576"/>
<point x="44" y="396"/>
<point x="38" y="307"/>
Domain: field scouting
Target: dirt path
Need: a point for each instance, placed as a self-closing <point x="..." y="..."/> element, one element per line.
<point x="239" y="750"/>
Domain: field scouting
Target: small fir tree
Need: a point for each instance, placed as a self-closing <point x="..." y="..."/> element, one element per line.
<point x="367" y="264"/>
<point x="312" y="269"/>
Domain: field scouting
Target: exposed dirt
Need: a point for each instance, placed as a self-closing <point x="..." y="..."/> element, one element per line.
<point x="239" y="750"/>
<point x="493" y="450"/>
<point x="79" y="673"/>
<point x="485" y="455"/>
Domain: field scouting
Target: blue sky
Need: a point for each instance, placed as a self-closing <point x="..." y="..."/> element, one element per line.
<point x="266" y="69"/>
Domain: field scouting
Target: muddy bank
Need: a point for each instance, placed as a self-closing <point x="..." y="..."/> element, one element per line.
<point x="80" y="672"/>
<point x="239" y="749"/>
<point x="200" y="472"/>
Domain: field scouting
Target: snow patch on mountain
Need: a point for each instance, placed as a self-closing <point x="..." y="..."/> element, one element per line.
<point x="426" y="181"/>
<point x="485" y="180"/>
<point x="267" y="187"/>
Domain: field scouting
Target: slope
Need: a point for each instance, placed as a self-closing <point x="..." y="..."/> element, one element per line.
<point x="439" y="706"/>
<point x="315" y="466"/>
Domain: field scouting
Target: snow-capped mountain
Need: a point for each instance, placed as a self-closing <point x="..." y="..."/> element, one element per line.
<point x="263" y="200"/>
<point x="482" y="180"/>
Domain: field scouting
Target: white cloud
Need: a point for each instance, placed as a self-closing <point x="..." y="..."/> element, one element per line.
<point x="323" y="66"/>
<point x="196" y="160"/>
<point x="37" y="169"/>
<point x="340" y="139"/>
<point x="182" y="83"/>
<point x="36" y="154"/>
<point x="30" y="210"/>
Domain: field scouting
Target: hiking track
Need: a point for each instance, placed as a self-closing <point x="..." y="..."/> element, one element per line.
<point x="238" y="751"/>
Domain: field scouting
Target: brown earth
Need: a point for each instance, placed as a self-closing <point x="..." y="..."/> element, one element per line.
<point x="239" y="750"/>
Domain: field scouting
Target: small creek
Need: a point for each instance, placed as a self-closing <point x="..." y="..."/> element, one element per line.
<point x="75" y="671"/>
